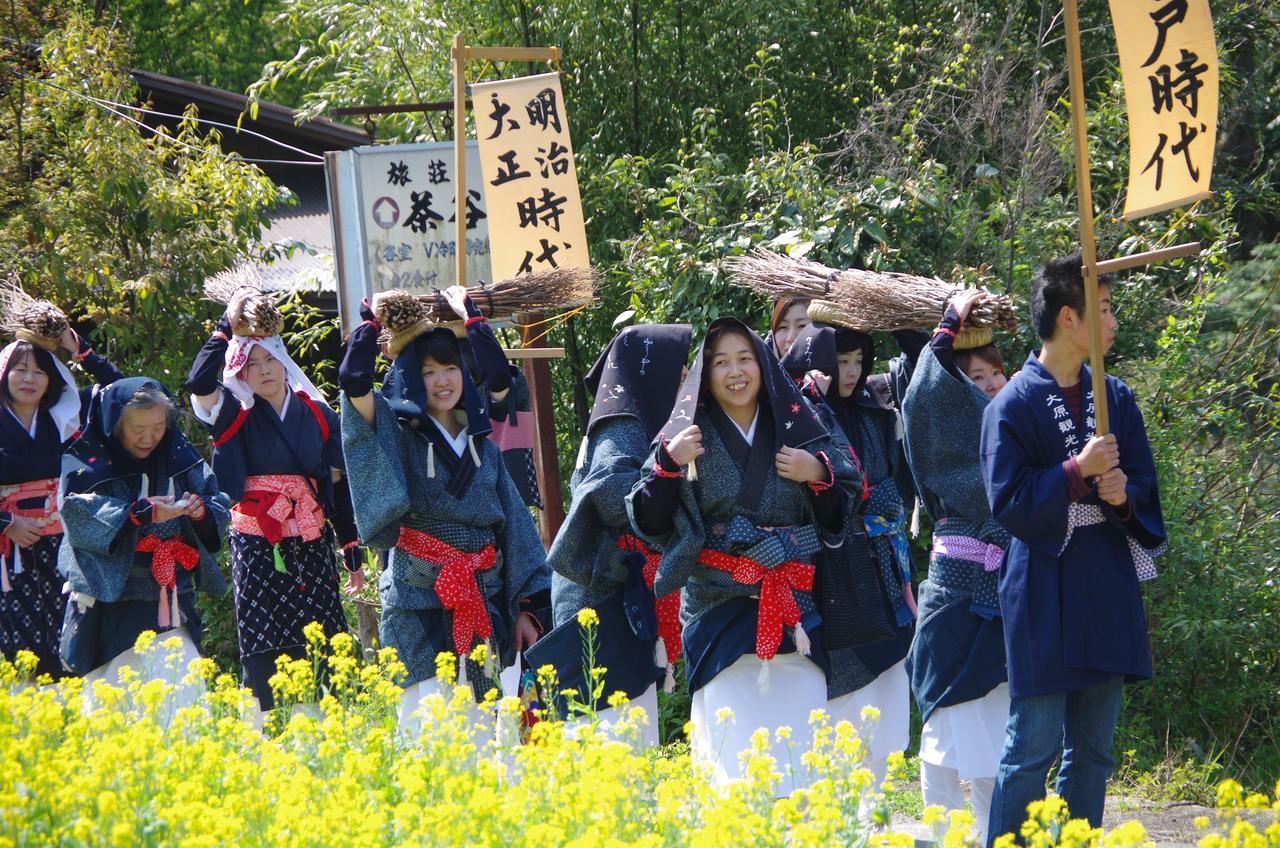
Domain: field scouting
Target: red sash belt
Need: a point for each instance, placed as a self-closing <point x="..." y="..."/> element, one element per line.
<point x="48" y="522"/>
<point x="166" y="555"/>
<point x="668" y="606"/>
<point x="278" y="505"/>
<point x="457" y="586"/>
<point x="777" y="605"/>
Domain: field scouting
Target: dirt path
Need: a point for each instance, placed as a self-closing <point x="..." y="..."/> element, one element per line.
<point x="1168" y="825"/>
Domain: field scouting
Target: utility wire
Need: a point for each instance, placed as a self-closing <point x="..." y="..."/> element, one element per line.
<point x="316" y="160"/>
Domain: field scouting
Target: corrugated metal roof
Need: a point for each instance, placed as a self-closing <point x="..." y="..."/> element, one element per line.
<point x="310" y="268"/>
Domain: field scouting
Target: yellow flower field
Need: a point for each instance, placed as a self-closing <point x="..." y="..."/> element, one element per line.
<point x="138" y="770"/>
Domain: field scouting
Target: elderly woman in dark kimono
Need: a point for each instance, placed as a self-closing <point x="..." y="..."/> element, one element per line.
<point x="277" y="452"/>
<point x="836" y="363"/>
<point x="742" y="490"/>
<point x="144" y="520"/>
<point x="465" y="559"/>
<point x="957" y="661"/>
<point x="45" y="411"/>
<point x="597" y="560"/>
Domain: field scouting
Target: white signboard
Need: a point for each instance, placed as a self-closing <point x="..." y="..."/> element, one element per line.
<point x="392" y="208"/>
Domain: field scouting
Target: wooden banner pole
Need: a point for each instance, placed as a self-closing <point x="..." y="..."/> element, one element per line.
<point x="1084" y="203"/>
<point x="460" y="154"/>
<point x="536" y="366"/>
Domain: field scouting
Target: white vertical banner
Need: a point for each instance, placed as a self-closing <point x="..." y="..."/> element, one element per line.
<point x="530" y="182"/>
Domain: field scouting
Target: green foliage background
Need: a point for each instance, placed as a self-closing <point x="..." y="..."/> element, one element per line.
<point x="892" y="134"/>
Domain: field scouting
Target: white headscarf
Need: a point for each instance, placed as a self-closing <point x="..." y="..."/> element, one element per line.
<point x="66" y="411"/>
<point x="238" y="350"/>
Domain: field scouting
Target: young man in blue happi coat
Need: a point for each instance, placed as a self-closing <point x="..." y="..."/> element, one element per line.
<point x="1084" y="513"/>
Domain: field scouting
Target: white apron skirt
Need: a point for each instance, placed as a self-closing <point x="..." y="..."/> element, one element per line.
<point x="167" y="659"/>
<point x="646" y="732"/>
<point x="890" y="693"/>
<point x="797" y="687"/>
<point x="968" y="737"/>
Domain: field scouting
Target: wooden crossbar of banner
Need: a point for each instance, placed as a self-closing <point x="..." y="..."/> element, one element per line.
<point x="534" y="352"/>
<point x="1150" y="257"/>
<point x="514" y="54"/>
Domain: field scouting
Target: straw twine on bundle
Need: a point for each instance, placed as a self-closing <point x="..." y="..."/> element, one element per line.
<point x="973" y="337"/>
<point x="252" y="311"/>
<point x="403" y="317"/>
<point x="863" y="300"/>
<point x="36" y="321"/>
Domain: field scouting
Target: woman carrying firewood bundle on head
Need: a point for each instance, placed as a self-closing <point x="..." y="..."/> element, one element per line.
<point x="743" y="488"/>
<point x="868" y="671"/>
<point x="278" y="455"/>
<point x="598" y="561"/>
<point x="43" y="413"/>
<point x="466" y="565"/>
<point x="957" y="661"/>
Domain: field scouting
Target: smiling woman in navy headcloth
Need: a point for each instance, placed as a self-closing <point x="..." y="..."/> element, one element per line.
<point x="43" y="411"/>
<point x="743" y="488"/>
<point x="466" y="563"/>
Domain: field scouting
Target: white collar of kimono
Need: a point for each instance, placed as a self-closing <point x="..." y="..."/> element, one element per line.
<point x="458" y="442"/>
<point x="66" y="412"/>
<point x="750" y="433"/>
<point x="238" y="350"/>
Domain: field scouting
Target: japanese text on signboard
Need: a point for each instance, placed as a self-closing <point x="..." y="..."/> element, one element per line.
<point x="530" y="183"/>
<point x="1170" y="66"/>
<point x="408" y="195"/>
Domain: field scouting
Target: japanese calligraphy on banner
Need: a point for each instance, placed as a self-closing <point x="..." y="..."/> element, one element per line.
<point x="530" y="182"/>
<point x="393" y="209"/>
<point x="1170" y="67"/>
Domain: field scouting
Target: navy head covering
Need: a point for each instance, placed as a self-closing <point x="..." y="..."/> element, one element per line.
<point x="817" y="348"/>
<point x="638" y="375"/>
<point x="795" y="423"/>
<point x="105" y="458"/>
<point x="406" y="394"/>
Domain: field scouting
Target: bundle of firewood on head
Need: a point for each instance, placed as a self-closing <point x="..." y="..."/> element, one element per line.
<point x="30" y="320"/>
<point x="251" y="311"/>
<point x="862" y="300"/>
<point x="541" y="291"/>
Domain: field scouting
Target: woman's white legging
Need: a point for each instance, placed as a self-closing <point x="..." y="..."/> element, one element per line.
<point x="940" y="786"/>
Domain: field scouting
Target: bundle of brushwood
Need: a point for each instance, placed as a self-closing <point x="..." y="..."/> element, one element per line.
<point x="252" y="311"/>
<point x="24" y="317"/>
<point x="541" y="291"/>
<point x="863" y="300"/>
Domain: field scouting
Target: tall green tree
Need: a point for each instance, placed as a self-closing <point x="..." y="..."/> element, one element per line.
<point x="116" y="223"/>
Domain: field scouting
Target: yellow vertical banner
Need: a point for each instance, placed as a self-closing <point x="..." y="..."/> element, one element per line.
<point x="1169" y="62"/>
<point x="530" y="182"/>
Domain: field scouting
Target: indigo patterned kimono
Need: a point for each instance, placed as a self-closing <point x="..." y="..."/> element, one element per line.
<point x="288" y="511"/>
<point x="128" y="573"/>
<point x="958" y="651"/>
<point x="868" y="422"/>
<point x="1069" y="586"/>
<point x="464" y="552"/>
<point x="597" y="561"/>
<point x="740" y="541"/>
